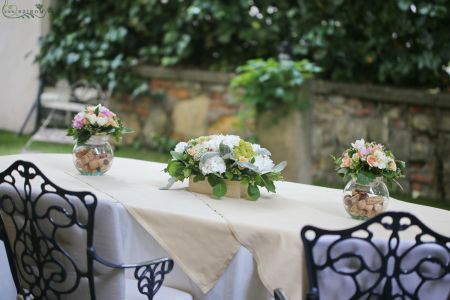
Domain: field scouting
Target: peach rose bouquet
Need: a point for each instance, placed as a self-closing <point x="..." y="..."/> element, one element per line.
<point x="364" y="162"/>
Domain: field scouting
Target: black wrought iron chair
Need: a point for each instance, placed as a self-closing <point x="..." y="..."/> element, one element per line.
<point x="355" y="264"/>
<point x="35" y="217"/>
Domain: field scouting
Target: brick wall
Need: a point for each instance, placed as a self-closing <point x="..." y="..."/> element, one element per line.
<point x="415" y="124"/>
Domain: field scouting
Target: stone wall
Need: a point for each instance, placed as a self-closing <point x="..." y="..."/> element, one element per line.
<point x="183" y="104"/>
<point x="415" y="124"/>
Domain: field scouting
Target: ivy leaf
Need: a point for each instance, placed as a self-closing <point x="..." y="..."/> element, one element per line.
<point x="220" y="188"/>
<point x="364" y="177"/>
<point x="187" y="173"/>
<point x="253" y="192"/>
<point x="174" y="168"/>
<point x="268" y="184"/>
<point x="199" y="177"/>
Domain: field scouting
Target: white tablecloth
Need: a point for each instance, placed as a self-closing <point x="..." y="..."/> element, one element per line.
<point x="240" y="280"/>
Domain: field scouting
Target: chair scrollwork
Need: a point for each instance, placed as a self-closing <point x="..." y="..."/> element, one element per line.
<point x="391" y="256"/>
<point x="35" y="216"/>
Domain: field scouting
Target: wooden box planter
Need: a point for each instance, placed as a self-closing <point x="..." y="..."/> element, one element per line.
<point x="234" y="188"/>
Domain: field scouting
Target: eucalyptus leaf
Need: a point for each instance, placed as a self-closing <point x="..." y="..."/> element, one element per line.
<point x="207" y="156"/>
<point x="280" y="167"/>
<point x="248" y="166"/>
<point x="176" y="155"/>
<point x="169" y="184"/>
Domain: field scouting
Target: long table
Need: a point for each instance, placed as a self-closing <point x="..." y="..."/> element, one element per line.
<point x="223" y="249"/>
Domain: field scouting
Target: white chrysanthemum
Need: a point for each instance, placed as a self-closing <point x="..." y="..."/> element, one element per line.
<point x="213" y="164"/>
<point x="264" y="164"/>
<point x="214" y="143"/>
<point x="359" y="144"/>
<point x="102" y="121"/>
<point x="180" y="147"/>
<point x="231" y="140"/>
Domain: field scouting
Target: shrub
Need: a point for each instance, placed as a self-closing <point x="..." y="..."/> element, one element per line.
<point x="273" y="84"/>
<point x="401" y="42"/>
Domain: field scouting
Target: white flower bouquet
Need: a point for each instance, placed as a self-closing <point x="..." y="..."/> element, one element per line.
<point x="217" y="158"/>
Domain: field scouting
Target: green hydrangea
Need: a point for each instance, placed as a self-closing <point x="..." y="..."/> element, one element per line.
<point x="244" y="149"/>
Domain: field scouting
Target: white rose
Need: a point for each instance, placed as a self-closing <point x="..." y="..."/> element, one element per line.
<point x="180" y="147"/>
<point x="91" y="118"/>
<point x="264" y="164"/>
<point x="213" y="164"/>
<point x="101" y="120"/>
<point x="231" y="141"/>
<point x="382" y="159"/>
<point x="359" y="144"/>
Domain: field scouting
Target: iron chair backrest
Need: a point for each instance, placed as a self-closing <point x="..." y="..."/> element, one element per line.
<point x="398" y="269"/>
<point x="35" y="215"/>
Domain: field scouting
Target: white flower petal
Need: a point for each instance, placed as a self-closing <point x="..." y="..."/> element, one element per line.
<point x="213" y="164"/>
<point x="264" y="164"/>
<point x="180" y="147"/>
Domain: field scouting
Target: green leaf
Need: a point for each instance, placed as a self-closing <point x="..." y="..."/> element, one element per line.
<point x="364" y="177"/>
<point x="187" y="173"/>
<point x="270" y="186"/>
<point x="229" y="175"/>
<point x="253" y="192"/>
<point x="199" y="177"/>
<point x="220" y="189"/>
<point x="174" y="168"/>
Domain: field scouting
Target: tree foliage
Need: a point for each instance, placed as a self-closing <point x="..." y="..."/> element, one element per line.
<point x="400" y="42"/>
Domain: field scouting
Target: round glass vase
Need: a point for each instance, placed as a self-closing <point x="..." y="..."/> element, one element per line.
<point x="364" y="201"/>
<point x="94" y="157"/>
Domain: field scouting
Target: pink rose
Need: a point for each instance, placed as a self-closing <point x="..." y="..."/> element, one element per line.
<point x="78" y="121"/>
<point x="346" y="161"/>
<point x="364" y="151"/>
<point x="372" y="160"/>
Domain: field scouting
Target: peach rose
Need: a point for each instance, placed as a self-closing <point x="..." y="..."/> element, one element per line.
<point x="346" y="161"/>
<point x="372" y="160"/>
<point x="191" y="151"/>
<point x="243" y="159"/>
<point x="392" y="166"/>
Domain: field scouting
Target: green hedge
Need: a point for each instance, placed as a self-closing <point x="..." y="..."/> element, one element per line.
<point x="397" y="42"/>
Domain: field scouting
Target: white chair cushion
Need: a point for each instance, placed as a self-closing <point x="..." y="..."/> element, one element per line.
<point x="164" y="293"/>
